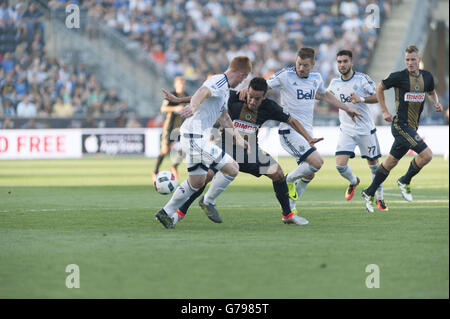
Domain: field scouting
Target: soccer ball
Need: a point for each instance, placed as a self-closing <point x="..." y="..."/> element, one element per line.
<point x="165" y="182"/>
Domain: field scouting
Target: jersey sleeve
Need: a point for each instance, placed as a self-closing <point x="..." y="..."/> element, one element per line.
<point x="321" y="85"/>
<point x="368" y="85"/>
<point x="276" y="80"/>
<point x="391" y="80"/>
<point x="217" y="85"/>
<point x="277" y="112"/>
<point x="331" y="88"/>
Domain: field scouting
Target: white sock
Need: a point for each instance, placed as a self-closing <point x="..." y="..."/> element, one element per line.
<point x="219" y="183"/>
<point x="179" y="197"/>
<point x="300" y="185"/>
<point x="302" y="170"/>
<point x="346" y="172"/>
<point x="379" y="191"/>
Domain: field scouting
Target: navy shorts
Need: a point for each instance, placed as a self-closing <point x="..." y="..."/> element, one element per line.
<point x="405" y="138"/>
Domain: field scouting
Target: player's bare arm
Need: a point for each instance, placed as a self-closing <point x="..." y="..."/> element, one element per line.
<point x="435" y="99"/>
<point x="382" y="101"/>
<point x="199" y="96"/>
<point x="329" y="98"/>
<point x="296" y="125"/>
<point x="174" y="99"/>
<point x="371" y="99"/>
<point x="166" y="108"/>
<point x="227" y="124"/>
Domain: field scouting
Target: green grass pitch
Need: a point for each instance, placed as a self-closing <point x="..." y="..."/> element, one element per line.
<point x="98" y="213"/>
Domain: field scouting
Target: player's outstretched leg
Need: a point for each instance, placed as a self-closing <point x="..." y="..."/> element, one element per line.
<point x="281" y="190"/>
<point x="347" y="173"/>
<point x="219" y="183"/>
<point x="381" y="203"/>
<point x="168" y="216"/>
<point x="368" y="193"/>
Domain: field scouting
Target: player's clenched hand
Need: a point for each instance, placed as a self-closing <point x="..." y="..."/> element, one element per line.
<point x="354" y="98"/>
<point x="387" y="116"/>
<point x="187" y="111"/>
<point x="243" y="94"/>
<point x="170" y="97"/>
<point x="438" y="106"/>
<point x="314" y="141"/>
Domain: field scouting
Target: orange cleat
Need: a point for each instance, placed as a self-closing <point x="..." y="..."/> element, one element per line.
<point x="351" y="190"/>
<point x="382" y="205"/>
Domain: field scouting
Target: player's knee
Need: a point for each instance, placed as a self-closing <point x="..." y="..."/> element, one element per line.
<point x="278" y="175"/>
<point x="233" y="169"/>
<point x="209" y="176"/>
<point x="197" y="183"/>
<point x="317" y="163"/>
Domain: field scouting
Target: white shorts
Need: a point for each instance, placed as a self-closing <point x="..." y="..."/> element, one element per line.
<point x="201" y="154"/>
<point x="368" y="145"/>
<point x="294" y="143"/>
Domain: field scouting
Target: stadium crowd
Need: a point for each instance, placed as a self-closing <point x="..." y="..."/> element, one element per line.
<point x="34" y="85"/>
<point x="191" y="38"/>
<point x="195" y="37"/>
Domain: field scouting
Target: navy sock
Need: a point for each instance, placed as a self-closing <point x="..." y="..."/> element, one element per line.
<point x="380" y="176"/>
<point x="412" y="171"/>
<point x="282" y="193"/>
<point x="191" y="199"/>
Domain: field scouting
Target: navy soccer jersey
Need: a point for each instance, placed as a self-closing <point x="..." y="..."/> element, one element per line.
<point x="410" y="92"/>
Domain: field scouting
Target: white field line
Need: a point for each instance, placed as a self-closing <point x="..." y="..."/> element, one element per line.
<point x="315" y="204"/>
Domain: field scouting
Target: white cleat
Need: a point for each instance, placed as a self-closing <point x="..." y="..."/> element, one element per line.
<point x="406" y="191"/>
<point x="293" y="218"/>
<point x="368" y="201"/>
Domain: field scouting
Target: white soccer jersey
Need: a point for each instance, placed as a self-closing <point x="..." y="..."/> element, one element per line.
<point x="298" y="94"/>
<point x="362" y="85"/>
<point x="210" y="110"/>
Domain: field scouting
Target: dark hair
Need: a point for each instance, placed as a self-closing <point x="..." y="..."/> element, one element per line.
<point x="306" y="53"/>
<point x="258" y="84"/>
<point x="345" y="52"/>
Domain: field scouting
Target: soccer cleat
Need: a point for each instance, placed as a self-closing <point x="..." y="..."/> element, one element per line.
<point x="165" y="219"/>
<point x="174" y="171"/>
<point x="292" y="190"/>
<point x="351" y="190"/>
<point x="369" y="201"/>
<point x="406" y="191"/>
<point x="382" y="205"/>
<point x="210" y="210"/>
<point x="293" y="218"/>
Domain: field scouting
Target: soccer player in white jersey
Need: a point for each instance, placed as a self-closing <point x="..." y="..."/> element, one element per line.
<point x="208" y="104"/>
<point x="299" y="86"/>
<point x="355" y="88"/>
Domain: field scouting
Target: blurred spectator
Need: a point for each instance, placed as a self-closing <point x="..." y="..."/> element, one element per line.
<point x="349" y="8"/>
<point x="62" y="108"/>
<point x="26" y="108"/>
<point x="7" y="124"/>
<point x="8" y="108"/>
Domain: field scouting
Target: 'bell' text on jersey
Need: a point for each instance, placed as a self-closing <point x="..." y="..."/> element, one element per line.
<point x="409" y="95"/>
<point x="210" y="110"/>
<point x="362" y="86"/>
<point x="298" y="94"/>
